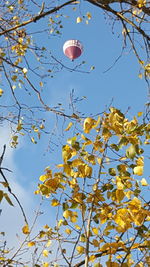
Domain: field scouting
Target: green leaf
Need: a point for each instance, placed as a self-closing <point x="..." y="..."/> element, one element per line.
<point x="123" y="142"/>
<point x="112" y="171"/>
<point x="131" y="152"/>
<point x="74" y="205"/>
<point x="96" y="219"/>
<point x="65" y="206"/>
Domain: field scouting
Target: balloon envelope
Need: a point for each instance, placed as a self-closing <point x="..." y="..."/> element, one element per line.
<point x="72" y="49"/>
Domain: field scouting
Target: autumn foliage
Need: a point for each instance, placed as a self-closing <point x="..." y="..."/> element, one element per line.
<point x="98" y="191"/>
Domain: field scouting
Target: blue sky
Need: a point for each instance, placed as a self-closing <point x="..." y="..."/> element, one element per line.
<point x="121" y="83"/>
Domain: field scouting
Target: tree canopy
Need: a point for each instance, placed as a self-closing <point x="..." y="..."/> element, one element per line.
<point x="97" y="189"/>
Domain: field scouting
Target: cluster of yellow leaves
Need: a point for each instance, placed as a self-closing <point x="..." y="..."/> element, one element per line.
<point x="138" y="170"/>
<point x="90" y="123"/>
<point x="117" y="207"/>
<point x="21" y="47"/>
<point x="105" y="213"/>
<point x="87" y="17"/>
<point x="68" y="153"/>
<point x="71" y="215"/>
<point x="50" y="184"/>
<point x="82" y="170"/>
<point x="133" y="213"/>
<point x="112" y="247"/>
<point x="141" y="3"/>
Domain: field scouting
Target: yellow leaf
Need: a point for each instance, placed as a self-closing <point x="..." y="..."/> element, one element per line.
<point x="141" y="3"/>
<point x="45" y="264"/>
<point x="128" y="194"/>
<point x="25" y="229"/>
<point x="69" y="126"/>
<point x="88" y="171"/>
<point x="82" y="238"/>
<point x="41" y="84"/>
<point x="91" y="159"/>
<point x="105" y="246"/>
<point x="19" y="126"/>
<point x="135" y="204"/>
<point x="67" y="153"/>
<point x="88" y="124"/>
<point x="99" y="160"/>
<point x="43" y="178"/>
<point x="140" y="161"/>
<point x="140" y="114"/>
<point x="141" y="61"/>
<point x="144" y="182"/>
<point x="60" y="222"/>
<point x="95" y="243"/>
<point x="120" y="185"/>
<point x="92" y="258"/>
<point x="52" y="184"/>
<point x="147" y="69"/>
<point x="77" y="162"/>
<point x="98" y="265"/>
<point x="48" y="243"/>
<point x="122" y="218"/>
<point x="45" y="253"/>
<point x="88" y="14"/>
<point x="1" y="92"/>
<point x="67" y="213"/>
<point x="95" y="230"/>
<point x="79" y="197"/>
<point x="77" y="227"/>
<point x="24" y="70"/>
<point x="31" y="244"/>
<point x="54" y="203"/>
<point x="80" y="249"/>
<point x="33" y="140"/>
<point x="119" y="195"/>
<point x="139" y="218"/>
<point x="73" y="218"/>
<point x="68" y="231"/>
<point x="78" y="20"/>
<point x="112" y="264"/>
<point x="138" y="170"/>
<point x="140" y="76"/>
<point x="42" y="126"/>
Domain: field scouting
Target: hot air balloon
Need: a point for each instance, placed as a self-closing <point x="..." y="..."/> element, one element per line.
<point x="72" y="49"/>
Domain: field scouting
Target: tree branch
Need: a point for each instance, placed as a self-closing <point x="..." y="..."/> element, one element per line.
<point x="104" y="253"/>
<point x="38" y="17"/>
<point x="120" y="16"/>
<point x="8" y="187"/>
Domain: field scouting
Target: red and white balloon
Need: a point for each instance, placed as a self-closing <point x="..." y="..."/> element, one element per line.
<point x="72" y="49"/>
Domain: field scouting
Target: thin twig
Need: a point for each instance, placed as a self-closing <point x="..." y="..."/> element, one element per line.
<point x="8" y="186"/>
<point x="38" y="17"/>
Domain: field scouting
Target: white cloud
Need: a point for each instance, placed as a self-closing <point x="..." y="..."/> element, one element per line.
<point x="11" y="218"/>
